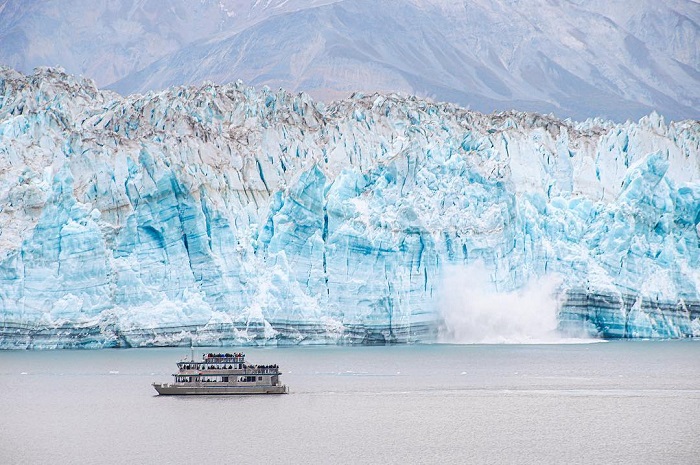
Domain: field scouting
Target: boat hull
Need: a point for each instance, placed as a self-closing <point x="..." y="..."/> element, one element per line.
<point x="189" y="390"/>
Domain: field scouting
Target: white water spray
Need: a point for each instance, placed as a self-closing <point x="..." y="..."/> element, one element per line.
<point x="475" y="313"/>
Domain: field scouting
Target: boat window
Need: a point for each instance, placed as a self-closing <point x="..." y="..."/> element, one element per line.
<point x="259" y="378"/>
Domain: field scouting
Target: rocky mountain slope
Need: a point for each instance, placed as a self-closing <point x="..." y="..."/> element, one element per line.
<point x="575" y="59"/>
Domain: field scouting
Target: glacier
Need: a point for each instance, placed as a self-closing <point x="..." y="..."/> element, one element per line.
<point x="225" y="214"/>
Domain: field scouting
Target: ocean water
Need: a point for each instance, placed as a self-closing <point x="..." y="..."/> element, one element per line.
<point x="615" y="402"/>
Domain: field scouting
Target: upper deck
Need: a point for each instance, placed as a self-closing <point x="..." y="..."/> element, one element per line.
<point x="224" y="358"/>
<point x="224" y="364"/>
<point x="215" y="359"/>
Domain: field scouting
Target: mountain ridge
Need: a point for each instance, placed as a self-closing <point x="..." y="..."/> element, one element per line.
<point x="575" y="59"/>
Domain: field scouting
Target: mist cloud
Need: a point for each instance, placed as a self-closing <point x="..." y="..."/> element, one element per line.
<point x="473" y="311"/>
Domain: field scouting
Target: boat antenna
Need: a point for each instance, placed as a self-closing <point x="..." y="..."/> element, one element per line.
<point x="191" y="350"/>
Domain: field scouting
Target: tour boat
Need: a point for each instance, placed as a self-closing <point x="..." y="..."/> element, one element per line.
<point x="223" y="374"/>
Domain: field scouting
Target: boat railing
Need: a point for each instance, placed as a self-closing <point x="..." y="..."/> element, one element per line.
<point x="224" y="359"/>
<point x="246" y="369"/>
<point x="268" y="371"/>
<point x="238" y="356"/>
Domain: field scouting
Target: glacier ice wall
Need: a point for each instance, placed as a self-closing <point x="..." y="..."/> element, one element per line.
<point x="229" y="215"/>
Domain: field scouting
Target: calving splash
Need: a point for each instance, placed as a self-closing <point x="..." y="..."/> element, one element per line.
<point x="473" y="311"/>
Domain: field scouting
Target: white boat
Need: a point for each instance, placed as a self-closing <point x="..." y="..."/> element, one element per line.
<point x="223" y="374"/>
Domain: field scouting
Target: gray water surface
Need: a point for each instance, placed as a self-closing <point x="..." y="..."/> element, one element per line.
<point x="615" y="402"/>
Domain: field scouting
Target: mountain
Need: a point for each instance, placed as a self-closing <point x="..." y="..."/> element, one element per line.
<point x="573" y="58"/>
<point x="226" y="214"/>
